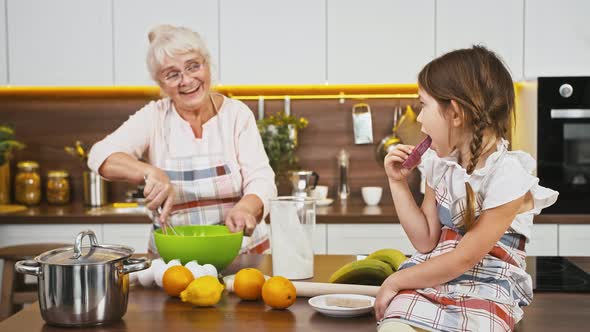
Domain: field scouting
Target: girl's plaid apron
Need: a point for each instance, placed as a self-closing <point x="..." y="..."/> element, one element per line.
<point x="488" y="297"/>
<point x="206" y="190"/>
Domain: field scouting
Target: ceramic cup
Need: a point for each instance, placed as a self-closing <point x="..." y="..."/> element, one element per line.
<point x="320" y="192"/>
<point x="371" y="195"/>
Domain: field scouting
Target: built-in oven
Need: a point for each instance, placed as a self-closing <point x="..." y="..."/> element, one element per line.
<point x="563" y="141"/>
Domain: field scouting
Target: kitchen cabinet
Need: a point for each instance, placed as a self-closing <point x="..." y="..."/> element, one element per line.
<point x="543" y="241"/>
<point x="574" y="240"/>
<point x="378" y="41"/>
<point x="130" y="32"/>
<point x="556" y="38"/>
<point x="272" y="42"/>
<point x="3" y="46"/>
<point x="495" y="24"/>
<point x="59" y="43"/>
<point x="358" y="239"/>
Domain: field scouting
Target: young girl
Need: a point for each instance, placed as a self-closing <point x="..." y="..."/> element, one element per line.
<point x="477" y="213"/>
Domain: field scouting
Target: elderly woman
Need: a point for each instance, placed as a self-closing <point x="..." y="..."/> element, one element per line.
<point x="205" y="159"/>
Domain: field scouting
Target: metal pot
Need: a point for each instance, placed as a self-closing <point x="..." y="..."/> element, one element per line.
<point x="83" y="286"/>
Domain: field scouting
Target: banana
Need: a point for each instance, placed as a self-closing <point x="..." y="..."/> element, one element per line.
<point x="393" y="257"/>
<point x="364" y="272"/>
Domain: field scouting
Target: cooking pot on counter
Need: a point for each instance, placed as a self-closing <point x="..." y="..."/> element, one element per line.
<point x="83" y="286"/>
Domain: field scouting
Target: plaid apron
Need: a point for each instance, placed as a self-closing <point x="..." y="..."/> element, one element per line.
<point x="488" y="297"/>
<point x="206" y="190"/>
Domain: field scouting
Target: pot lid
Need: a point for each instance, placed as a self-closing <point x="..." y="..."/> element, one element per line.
<point x="78" y="255"/>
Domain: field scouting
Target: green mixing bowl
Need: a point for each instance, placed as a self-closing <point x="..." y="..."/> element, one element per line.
<point x="207" y="244"/>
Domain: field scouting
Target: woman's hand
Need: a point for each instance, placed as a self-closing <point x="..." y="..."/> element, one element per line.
<point x="239" y="219"/>
<point x="393" y="162"/>
<point x="386" y="293"/>
<point x="159" y="192"/>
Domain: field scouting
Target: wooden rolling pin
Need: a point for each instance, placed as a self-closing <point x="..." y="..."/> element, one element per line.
<point x="311" y="289"/>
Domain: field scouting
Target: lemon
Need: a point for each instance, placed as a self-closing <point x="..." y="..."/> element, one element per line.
<point x="203" y="292"/>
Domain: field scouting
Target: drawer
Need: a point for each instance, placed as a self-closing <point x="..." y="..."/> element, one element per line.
<point x="574" y="240"/>
<point x="359" y="239"/>
<point x="12" y="234"/>
<point x="543" y="241"/>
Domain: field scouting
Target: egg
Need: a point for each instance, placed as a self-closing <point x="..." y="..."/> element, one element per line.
<point x="210" y="270"/>
<point x="196" y="269"/>
<point x="159" y="267"/>
<point x="193" y="262"/>
<point x="146" y="277"/>
<point x="133" y="278"/>
<point x="173" y="263"/>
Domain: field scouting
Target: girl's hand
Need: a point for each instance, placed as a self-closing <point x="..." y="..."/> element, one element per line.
<point x="386" y="293"/>
<point x="238" y="219"/>
<point x="159" y="192"/>
<point x="393" y="162"/>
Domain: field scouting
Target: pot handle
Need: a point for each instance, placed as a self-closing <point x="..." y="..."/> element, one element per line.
<point x="78" y="243"/>
<point x="28" y="267"/>
<point x="136" y="264"/>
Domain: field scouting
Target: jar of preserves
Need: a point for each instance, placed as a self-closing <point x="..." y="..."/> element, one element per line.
<point x="27" y="183"/>
<point x="58" y="187"/>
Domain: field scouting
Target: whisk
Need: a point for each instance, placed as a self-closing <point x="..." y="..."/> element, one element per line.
<point x="156" y="214"/>
<point x="164" y="225"/>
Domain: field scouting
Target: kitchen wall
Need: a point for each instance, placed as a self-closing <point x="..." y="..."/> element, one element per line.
<point x="98" y="42"/>
<point x="61" y="119"/>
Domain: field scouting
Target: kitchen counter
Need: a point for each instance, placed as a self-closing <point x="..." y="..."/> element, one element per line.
<point x="352" y="211"/>
<point x="152" y="310"/>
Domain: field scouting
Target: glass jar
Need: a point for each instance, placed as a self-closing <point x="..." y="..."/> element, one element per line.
<point x="27" y="183"/>
<point x="58" y="187"/>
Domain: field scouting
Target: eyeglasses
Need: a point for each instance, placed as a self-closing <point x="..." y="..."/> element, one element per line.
<point x="174" y="77"/>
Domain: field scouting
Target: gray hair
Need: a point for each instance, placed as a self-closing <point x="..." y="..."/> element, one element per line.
<point x="169" y="41"/>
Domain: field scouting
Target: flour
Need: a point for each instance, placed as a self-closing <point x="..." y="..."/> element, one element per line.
<point x="291" y="241"/>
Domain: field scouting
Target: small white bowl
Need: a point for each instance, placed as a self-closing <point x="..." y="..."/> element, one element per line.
<point x="371" y="195"/>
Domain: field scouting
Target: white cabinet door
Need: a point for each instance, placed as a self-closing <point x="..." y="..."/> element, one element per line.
<point x="543" y="241"/>
<point x="359" y="239"/>
<point x="557" y="36"/>
<point x="3" y="45"/>
<point x="574" y="240"/>
<point x="273" y="42"/>
<point x="12" y="234"/>
<point x="135" y="236"/>
<point x="496" y="24"/>
<point x="378" y="41"/>
<point x="66" y="42"/>
<point x="133" y="19"/>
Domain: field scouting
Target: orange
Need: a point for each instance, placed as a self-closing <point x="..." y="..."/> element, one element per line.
<point x="279" y="292"/>
<point x="248" y="284"/>
<point x="176" y="279"/>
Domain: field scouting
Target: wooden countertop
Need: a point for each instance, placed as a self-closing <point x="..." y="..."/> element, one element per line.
<point x="152" y="310"/>
<point x="351" y="211"/>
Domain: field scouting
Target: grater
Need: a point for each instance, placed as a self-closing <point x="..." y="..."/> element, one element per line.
<point x="362" y="124"/>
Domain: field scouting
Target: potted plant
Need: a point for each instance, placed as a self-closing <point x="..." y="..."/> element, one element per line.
<point x="279" y="137"/>
<point x="7" y="144"/>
